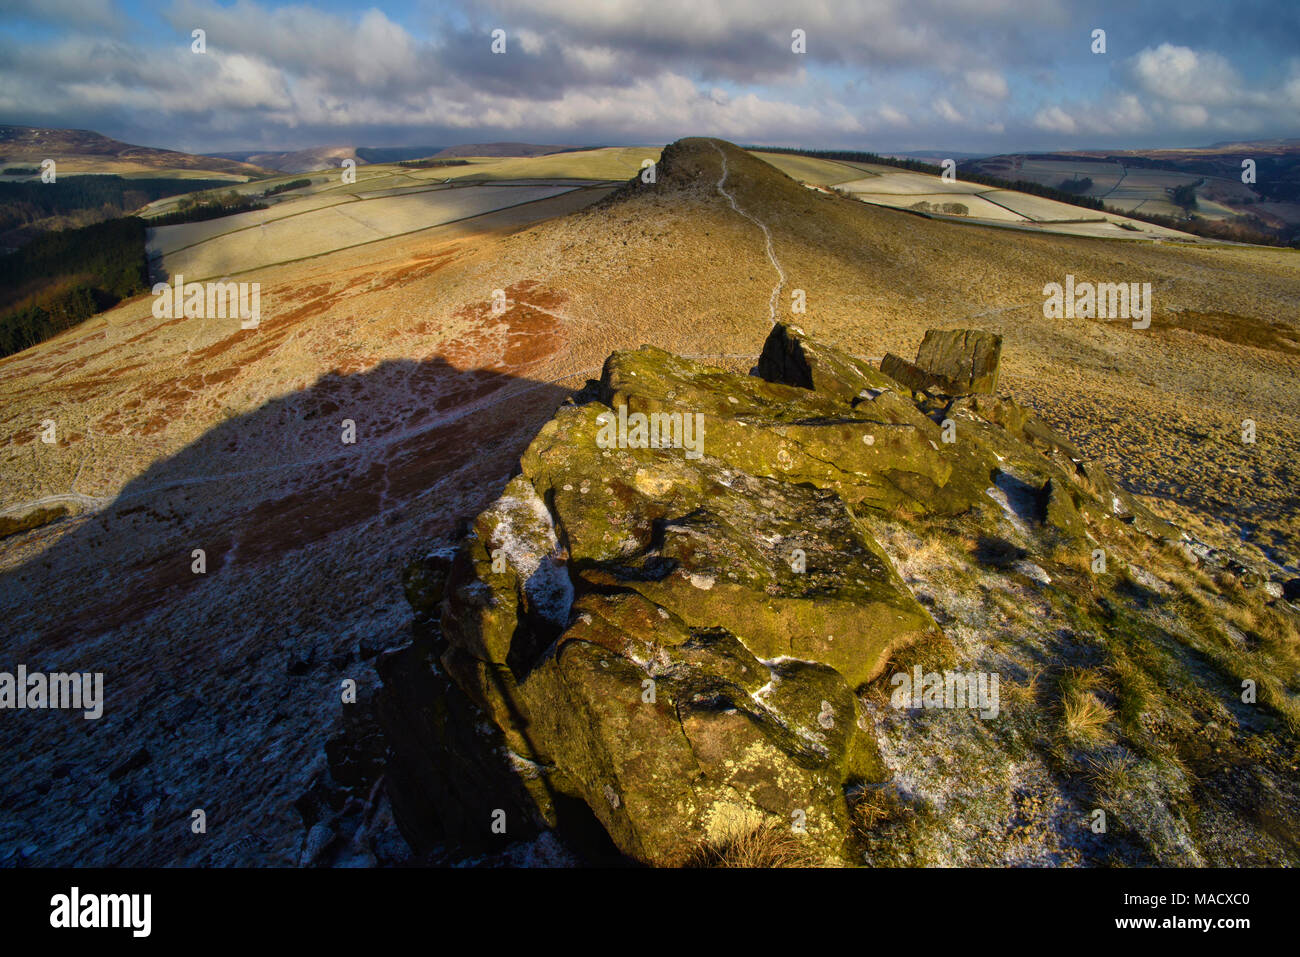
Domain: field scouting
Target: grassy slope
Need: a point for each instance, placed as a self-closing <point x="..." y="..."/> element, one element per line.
<point x="671" y="265"/>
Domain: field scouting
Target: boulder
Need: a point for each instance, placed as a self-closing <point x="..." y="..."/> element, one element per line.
<point x="877" y="451"/>
<point x="965" y="357"/>
<point x="660" y="629"/>
<point x="793" y="357"/>
<point x="950" y="362"/>
<point x="915" y="378"/>
<point x="1060" y="510"/>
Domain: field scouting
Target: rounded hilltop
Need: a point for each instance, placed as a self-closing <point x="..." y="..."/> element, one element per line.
<point x="695" y="164"/>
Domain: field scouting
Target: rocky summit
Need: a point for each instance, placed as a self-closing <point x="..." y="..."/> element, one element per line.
<point x="823" y="615"/>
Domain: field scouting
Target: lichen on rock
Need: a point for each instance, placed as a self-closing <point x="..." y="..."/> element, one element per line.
<point x="682" y="645"/>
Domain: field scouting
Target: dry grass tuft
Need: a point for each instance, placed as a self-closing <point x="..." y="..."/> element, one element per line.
<point x="933" y="651"/>
<point x="924" y="559"/>
<point x="879" y="809"/>
<point x="766" y="846"/>
<point x="1026" y="692"/>
<point x="1114" y="774"/>
<point x="1084" y="716"/>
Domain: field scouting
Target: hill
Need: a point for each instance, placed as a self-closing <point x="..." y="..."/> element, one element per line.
<point x="297" y="161"/>
<point x="84" y="151"/>
<point x="448" y="349"/>
<point x="502" y="150"/>
<point x="920" y="188"/>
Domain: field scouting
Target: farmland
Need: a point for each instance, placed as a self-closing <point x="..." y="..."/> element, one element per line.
<point x="903" y="189"/>
<point x="384" y="201"/>
<point x="1262" y="200"/>
<point x="177" y="434"/>
<point x="235" y="244"/>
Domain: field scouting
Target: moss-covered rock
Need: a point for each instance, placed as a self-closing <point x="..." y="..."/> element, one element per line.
<point x="793" y="357"/>
<point x="966" y="357"/>
<point x="668" y="615"/>
<point x="950" y="362"/>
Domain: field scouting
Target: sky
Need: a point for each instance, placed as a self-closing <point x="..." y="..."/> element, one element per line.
<point x="884" y="75"/>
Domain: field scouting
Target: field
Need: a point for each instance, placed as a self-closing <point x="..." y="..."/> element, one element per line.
<point x="976" y="206"/>
<point x="901" y="189"/>
<point x="620" y="163"/>
<point x="816" y="171"/>
<point x="1145" y="190"/>
<point x="385" y="200"/>
<point x="902" y="183"/>
<point x="236" y="244"/>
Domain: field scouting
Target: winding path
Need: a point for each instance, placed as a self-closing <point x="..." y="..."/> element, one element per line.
<point x="776" y="290"/>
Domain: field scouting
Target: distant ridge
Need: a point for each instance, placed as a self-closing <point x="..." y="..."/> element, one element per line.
<point x="298" y="161"/>
<point x="29" y="145"/>
<point x="503" y="149"/>
<point x="324" y="157"/>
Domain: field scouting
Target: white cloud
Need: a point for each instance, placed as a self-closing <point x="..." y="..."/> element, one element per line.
<point x="947" y="111"/>
<point x="1184" y="75"/>
<point x="893" y="117"/>
<point x="1055" y="120"/>
<point x="987" y="83"/>
<point x="371" y="51"/>
<point x="1189" y="114"/>
<point x="530" y="41"/>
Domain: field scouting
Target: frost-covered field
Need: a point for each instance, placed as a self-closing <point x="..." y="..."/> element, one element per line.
<point x="236" y="244"/>
<point x="905" y="183"/>
<point x="977" y="207"/>
<point x="903" y="189"/>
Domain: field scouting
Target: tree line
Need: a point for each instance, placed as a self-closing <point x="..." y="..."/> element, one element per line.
<point x="28" y="202"/>
<point x="63" y="278"/>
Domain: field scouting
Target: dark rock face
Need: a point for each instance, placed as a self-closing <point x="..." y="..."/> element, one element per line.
<point x="792" y="357"/>
<point x="656" y="638"/>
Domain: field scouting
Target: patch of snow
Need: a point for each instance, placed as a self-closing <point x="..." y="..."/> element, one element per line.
<point x="1034" y="571"/>
<point x="546" y="578"/>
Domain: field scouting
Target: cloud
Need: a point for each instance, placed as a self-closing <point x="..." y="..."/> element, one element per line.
<point x="1184" y="75"/>
<point x="371" y="52"/>
<point x="894" y="74"/>
<point x="1055" y="120"/>
<point x="893" y="117"/>
<point x="751" y="41"/>
<point x="86" y="13"/>
<point x="987" y="83"/>
<point x="1168" y="87"/>
<point x="947" y="111"/>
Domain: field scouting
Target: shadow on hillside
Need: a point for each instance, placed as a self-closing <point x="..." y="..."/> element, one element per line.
<point x="302" y="532"/>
